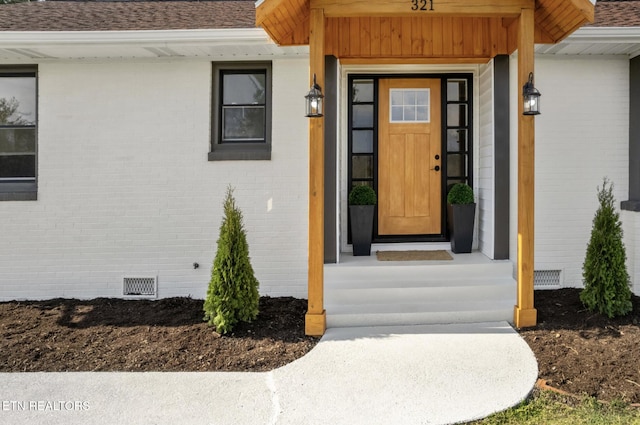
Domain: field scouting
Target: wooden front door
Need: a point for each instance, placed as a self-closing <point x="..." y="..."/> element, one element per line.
<point x="409" y="157"/>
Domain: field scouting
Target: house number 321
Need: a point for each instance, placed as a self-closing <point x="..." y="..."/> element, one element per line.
<point x="422" y="5"/>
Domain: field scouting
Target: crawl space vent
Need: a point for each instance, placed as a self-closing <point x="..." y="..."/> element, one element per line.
<point x="546" y="279"/>
<point x="146" y="287"/>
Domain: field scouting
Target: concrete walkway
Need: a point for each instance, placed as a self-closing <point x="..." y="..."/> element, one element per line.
<point x="436" y="374"/>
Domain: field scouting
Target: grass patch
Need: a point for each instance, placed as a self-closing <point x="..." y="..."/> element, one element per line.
<point x="545" y="407"/>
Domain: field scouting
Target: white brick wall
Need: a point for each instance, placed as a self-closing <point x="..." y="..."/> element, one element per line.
<point x="125" y="187"/>
<point x="581" y="136"/>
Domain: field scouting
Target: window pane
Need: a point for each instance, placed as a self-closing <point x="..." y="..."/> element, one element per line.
<point x="396" y="113"/>
<point x="409" y="97"/>
<point x="362" y="91"/>
<point x="456" y="165"/>
<point x="363" y="141"/>
<point x="243" y="89"/>
<point x="456" y="115"/>
<point x="396" y="97"/>
<point x="243" y="124"/>
<point x="363" y="115"/>
<point x="456" y="140"/>
<point x="362" y="167"/>
<point x="14" y="140"/>
<point x="362" y="183"/>
<point x="422" y="97"/>
<point x="457" y="90"/>
<point x="422" y="113"/>
<point x="17" y="101"/>
<point x="17" y="166"/>
<point x="409" y="113"/>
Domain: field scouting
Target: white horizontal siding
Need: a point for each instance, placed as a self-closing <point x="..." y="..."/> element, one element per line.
<point x="486" y="162"/>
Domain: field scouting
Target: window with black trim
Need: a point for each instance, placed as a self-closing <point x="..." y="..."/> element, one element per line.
<point x="241" y="111"/>
<point x="18" y="133"/>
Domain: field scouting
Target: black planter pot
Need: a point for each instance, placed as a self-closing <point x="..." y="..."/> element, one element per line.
<point x="461" y="218"/>
<point x="361" y="228"/>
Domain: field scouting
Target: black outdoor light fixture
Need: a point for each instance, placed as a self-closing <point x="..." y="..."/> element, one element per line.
<point x="531" y="97"/>
<point x="314" y="100"/>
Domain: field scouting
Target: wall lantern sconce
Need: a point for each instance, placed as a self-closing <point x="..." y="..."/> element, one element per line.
<point x="314" y="100"/>
<point x="531" y="97"/>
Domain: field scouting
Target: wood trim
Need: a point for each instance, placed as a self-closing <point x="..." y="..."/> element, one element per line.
<point x="524" y="312"/>
<point x="477" y="8"/>
<point x="453" y="38"/>
<point x="315" y="320"/>
<point x="586" y="8"/>
<point x="265" y="9"/>
<point x="412" y="61"/>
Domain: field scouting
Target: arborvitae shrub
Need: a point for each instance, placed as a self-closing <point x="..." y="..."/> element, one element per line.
<point x="604" y="270"/>
<point x="233" y="290"/>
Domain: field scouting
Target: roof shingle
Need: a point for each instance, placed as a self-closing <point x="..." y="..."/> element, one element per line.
<point x="617" y="13"/>
<point x="169" y="14"/>
<point x="126" y="16"/>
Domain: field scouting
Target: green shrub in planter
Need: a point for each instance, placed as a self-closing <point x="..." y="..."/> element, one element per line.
<point x="460" y="193"/>
<point x="362" y="195"/>
<point x="362" y="200"/>
<point x="461" y="213"/>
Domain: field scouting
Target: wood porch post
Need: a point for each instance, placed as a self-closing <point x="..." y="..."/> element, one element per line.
<point x="315" y="319"/>
<point x="525" y="314"/>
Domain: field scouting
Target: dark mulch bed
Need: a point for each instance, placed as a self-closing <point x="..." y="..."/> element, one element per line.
<point x="585" y="353"/>
<point x="141" y="335"/>
<point x="577" y="351"/>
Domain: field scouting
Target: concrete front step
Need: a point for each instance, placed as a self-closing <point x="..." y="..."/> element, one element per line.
<point x="482" y="314"/>
<point x="397" y="294"/>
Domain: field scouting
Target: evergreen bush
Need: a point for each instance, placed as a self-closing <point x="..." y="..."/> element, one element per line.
<point x="362" y="195"/>
<point x="604" y="270"/>
<point x="460" y="193"/>
<point x="233" y="290"/>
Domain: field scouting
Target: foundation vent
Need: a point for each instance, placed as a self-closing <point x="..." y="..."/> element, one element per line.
<point x="546" y="279"/>
<point x="143" y="287"/>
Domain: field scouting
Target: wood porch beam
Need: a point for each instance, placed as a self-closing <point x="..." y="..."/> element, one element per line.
<point x="525" y="315"/>
<point x="477" y="8"/>
<point x="413" y="61"/>
<point x="315" y="319"/>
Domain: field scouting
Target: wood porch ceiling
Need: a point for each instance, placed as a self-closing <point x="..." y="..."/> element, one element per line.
<point x="454" y="30"/>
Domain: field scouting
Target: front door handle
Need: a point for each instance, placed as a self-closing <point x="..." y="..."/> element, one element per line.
<point x="437" y="168"/>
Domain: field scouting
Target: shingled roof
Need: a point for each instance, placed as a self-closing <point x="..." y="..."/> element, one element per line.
<point x="169" y="15"/>
<point x="617" y="13"/>
<point x="126" y="15"/>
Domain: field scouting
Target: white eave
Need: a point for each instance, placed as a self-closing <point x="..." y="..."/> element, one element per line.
<point x="233" y="43"/>
<point x="597" y="41"/>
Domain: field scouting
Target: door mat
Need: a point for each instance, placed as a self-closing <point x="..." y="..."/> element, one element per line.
<point x="437" y="255"/>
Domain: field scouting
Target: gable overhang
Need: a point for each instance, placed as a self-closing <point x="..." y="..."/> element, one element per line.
<point x="475" y="30"/>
